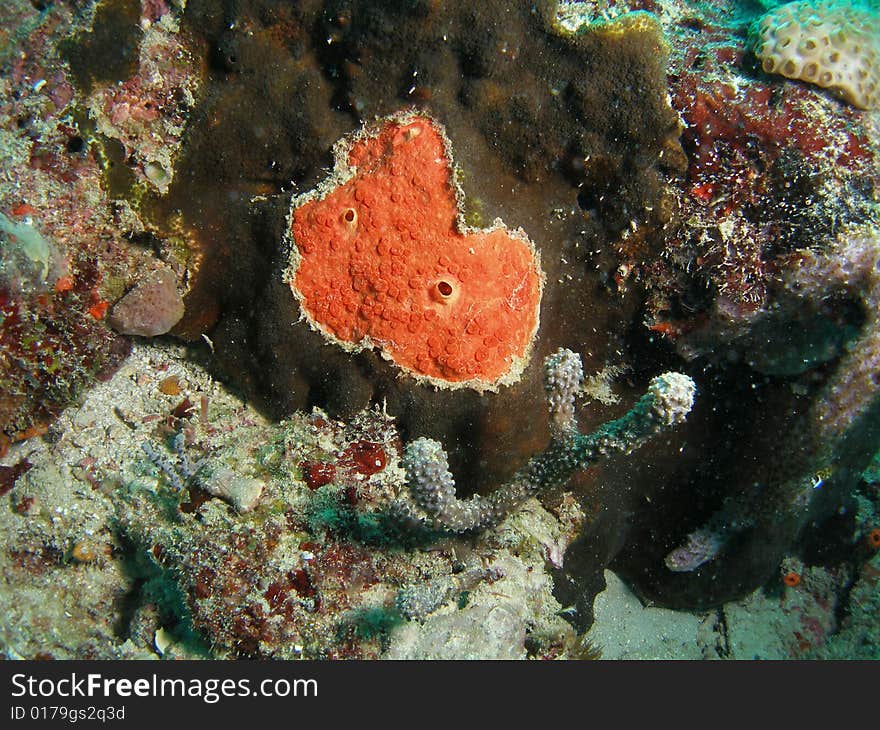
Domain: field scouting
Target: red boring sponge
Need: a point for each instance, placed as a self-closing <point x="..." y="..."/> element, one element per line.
<point x="380" y="257"/>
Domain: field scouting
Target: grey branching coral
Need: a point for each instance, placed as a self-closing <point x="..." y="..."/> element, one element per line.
<point x="431" y="498"/>
<point x="180" y="474"/>
<point x="241" y="491"/>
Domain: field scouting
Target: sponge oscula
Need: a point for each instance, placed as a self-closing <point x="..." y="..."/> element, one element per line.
<point x="832" y="43"/>
<point x="380" y="257"/>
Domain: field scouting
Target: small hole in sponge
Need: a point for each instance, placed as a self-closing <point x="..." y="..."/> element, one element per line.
<point x="349" y="216"/>
<point x="444" y="292"/>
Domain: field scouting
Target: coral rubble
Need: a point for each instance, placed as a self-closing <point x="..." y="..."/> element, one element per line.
<point x="300" y="572"/>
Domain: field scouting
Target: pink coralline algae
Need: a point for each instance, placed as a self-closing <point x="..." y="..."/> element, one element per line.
<point x="151" y="308"/>
<point x="53" y="339"/>
<point x="851" y="265"/>
<point x="701" y="546"/>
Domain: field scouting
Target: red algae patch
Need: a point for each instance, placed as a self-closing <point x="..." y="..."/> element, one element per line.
<point x="380" y="257"/>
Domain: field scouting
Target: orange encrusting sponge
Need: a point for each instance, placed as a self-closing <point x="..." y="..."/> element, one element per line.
<point x="380" y="258"/>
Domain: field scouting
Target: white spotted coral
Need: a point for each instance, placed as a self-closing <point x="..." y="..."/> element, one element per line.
<point x="832" y="43"/>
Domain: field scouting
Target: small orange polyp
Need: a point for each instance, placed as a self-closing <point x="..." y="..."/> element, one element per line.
<point x="380" y="257"/>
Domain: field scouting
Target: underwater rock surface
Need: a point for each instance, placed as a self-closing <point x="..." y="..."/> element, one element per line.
<point x="680" y="205"/>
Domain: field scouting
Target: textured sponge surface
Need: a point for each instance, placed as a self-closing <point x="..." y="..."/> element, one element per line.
<point x="380" y="259"/>
<point x="833" y="44"/>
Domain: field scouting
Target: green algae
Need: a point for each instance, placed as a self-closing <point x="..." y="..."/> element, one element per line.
<point x="327" y="511"/>
<point x="372" y="623"/>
